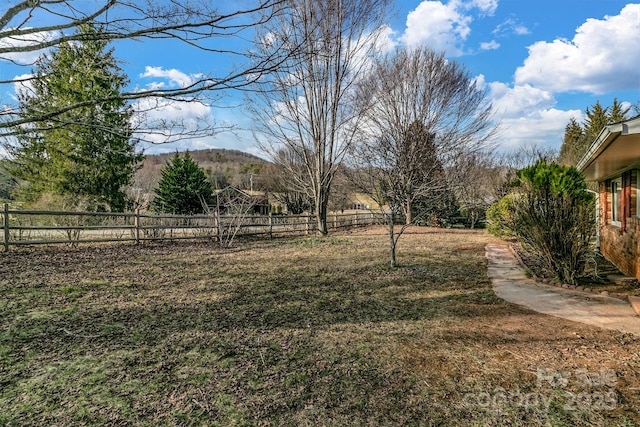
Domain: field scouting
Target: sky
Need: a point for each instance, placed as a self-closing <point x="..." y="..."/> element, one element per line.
<point x="540" y="62"/>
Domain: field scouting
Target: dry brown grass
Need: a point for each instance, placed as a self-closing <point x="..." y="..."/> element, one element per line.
<point x="300" y="331"/>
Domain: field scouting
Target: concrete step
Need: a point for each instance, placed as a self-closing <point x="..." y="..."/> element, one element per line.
<point x="635" y="303"/>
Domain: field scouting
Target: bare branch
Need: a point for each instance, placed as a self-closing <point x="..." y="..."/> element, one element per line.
<point x="423" y="114"/>
<point x="305" y="109"/>
<point x="194" y="23"/>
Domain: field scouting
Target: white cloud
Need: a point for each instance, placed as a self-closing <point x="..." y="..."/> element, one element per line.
<point x="480" y="82"/>
<point x="176" y="77"/>
<point x="486" y="7"/>
<point x="23" y="84"/>
<point x="385" y="42"/>
<point x="156" y="115"/>
<point x="190" y="116"/>
<point x="240" y="138"/>
<point x="509" y="27"/>
<point x="365" y="49"/>
<point x="492" y="45"/>
<point x="528" y="115"/>
<point x="603" y="56"/>
<point x="153" y="117"/>
<point x="441" y="26"/>
<point x="519" y="100"/>
<point x="444" y="26"/>
<point x="545" y="128"/>
<point x="25" y="57"/>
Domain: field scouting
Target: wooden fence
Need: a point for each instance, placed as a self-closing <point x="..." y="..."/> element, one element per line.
<point x="29" y="227"/>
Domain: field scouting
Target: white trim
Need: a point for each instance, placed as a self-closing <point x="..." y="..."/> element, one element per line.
<point x="615" y="197"/>
<point x="637" y="193"/>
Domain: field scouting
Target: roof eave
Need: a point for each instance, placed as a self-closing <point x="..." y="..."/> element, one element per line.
<point x="596" y="166"/>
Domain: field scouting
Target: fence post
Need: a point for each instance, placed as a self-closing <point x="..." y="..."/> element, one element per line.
<point x="356" y="220"/>
<point x="6" y="227"/>
<point x="136" y="223"/>
<point x="270" y="225"/>
<point x="308" y="224"/>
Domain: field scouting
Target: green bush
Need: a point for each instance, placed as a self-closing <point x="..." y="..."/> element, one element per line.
<point x="553" y="218"/>
<point x="499" y="217"/>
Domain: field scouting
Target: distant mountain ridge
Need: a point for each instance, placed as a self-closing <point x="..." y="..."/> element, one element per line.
<point x="222" y="166"/>
<point x="211" y="155"/>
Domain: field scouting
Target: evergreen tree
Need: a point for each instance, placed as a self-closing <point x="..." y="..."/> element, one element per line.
<point x="617" y="113"/>
<point x="7" y="184"/>
<point x="421" y="184"/>
<point x="578" y="138"/>
<point x="597" y="118"/>
<point x="87" y="150"/>
<point x="573" y="144"/>
<point x="182" y="187"/>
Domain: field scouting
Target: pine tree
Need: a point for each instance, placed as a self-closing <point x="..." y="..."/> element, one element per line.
<point x="182" y="187"/>
<point x="573" y="144"/>
<point x="597" y="118"/>
<point x="552" y="217"/>
<point x="87" y="151"/>
<point x="578" y="138"/>
<point x="421" y="184"/>
<point x="617" y="113"/>
<point x="7" y="184"/>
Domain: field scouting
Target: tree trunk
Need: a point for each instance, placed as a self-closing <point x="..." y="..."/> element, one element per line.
<point x="392" y="240"/>
<point x="473" y="218"/>
<point x="322" y="201"/>
<point x="408" y="213"/>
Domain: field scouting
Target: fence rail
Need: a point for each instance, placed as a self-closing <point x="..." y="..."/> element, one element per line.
<point x="30" y="227"/>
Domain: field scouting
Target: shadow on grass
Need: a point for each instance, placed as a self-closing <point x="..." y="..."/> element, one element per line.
<point x="305" y="294"/>
<point x="299" y="332"/>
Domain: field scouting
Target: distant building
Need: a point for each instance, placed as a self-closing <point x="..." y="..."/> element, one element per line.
<point x="359" y="201"/>
<point x="232" y="200"/>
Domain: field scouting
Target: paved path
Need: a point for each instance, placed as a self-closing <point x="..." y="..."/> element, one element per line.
<point x="510" y="283"/>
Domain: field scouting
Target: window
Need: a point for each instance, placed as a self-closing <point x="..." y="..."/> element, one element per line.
<point x="616" y="196"/>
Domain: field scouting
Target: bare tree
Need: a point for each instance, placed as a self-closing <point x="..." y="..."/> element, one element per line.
<point x="28" y="27"/>
<point x="505" y="167"/>
<point x="472" y="177"/>
<point x="229" y="213"/>
<point x="305" y="107"/>
<point x="423" y="113"/>
<point x="284" y="186"/>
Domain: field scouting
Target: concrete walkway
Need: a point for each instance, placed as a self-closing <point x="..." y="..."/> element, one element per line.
<point x="510" y="283"/>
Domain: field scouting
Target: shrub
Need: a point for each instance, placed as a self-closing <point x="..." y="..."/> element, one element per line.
<point x="499" y="217"/>
<point x="553" y="218"/>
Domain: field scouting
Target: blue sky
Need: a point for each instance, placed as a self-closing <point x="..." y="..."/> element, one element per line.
<point x="541" y="63"/>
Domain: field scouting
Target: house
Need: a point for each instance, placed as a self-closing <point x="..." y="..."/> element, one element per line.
<point x="231" y="200"/>
<point x="360" y="201"/>
<point x="613" y="162"/>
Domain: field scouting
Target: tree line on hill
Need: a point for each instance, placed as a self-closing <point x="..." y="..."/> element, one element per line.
<point x="487" y="177"/>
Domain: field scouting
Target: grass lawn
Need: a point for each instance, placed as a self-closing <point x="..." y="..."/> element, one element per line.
<point x="299" y="332"/>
